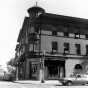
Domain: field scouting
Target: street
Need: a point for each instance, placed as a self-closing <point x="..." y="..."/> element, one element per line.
<point x="5" y="84"/>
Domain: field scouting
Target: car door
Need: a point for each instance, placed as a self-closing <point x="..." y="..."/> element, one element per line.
<point x="80" y="80"/>
<point x="75" y="80"/>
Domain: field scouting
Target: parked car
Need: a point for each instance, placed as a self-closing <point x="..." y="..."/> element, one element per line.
<point x="80" y="79"/>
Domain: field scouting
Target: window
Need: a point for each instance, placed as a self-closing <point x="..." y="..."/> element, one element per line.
<point x="66" y="48"/>
<point x="31" y="47"/>
<point x="32" y="29"/>
<point x="39" y="13"/>
<point x="66" y="34"/>
<point x="77" y="70"/>
<point x="77" y="35"/>
<point x="78" y="51"/>
<point x="60" y="33"/>
<point x="54" y="46"/>
<point x="82" y="36"/>
<point x="71" y="35"/>
<point x="54" y="32"/>
<point x="78" y="66"/>
<point x="86" y="36"/>
<point x="86" y="49"/>
<point x="34" y="68"/>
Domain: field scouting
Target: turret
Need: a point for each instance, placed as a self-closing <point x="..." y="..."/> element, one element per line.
<point x="35" y="11"/>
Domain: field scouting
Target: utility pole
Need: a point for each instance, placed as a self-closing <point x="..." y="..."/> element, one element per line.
<point x="42" y="68"/>
<point x="17" y="78"/>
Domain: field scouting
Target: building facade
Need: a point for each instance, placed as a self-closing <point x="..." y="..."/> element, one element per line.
<point x="51" y="46"/>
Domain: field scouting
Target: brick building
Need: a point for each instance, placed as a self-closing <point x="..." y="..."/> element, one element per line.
<point x="51" y="44"/>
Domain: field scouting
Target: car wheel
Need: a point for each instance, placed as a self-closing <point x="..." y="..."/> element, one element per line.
<point x="64" y="84"/>
<point x="69" y="83"/>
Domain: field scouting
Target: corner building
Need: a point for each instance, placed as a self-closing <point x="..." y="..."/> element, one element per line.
<point x="55" y="43"/>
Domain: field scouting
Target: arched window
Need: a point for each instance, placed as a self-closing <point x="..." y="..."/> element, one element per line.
<point x="78" y="66"/>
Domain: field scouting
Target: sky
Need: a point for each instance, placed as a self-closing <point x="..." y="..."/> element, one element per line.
<point x="12" y="13"/>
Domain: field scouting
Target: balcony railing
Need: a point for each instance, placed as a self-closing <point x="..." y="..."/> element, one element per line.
<point x="33" y="36"/>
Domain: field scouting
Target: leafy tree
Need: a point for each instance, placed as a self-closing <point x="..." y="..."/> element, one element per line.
<point x="11" y="67"/>
<point x="11" y="62"/>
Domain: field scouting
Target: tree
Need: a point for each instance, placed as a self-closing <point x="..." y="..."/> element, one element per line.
<point x="11" y="67"/>
<point x="11" y="62"/>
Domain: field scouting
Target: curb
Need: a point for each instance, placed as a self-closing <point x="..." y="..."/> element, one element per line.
<point x="38" y="82"/>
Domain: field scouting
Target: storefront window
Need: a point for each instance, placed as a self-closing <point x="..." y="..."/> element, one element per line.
<point x="34" y="68"/>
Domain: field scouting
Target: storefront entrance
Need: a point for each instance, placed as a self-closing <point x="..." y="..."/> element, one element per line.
<point x="56" y="69"/>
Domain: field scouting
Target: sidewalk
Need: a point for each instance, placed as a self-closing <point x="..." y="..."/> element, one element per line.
<point x="46" y="82"/>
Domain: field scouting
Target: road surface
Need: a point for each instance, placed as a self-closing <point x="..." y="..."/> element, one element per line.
<point x="4" y="84"/>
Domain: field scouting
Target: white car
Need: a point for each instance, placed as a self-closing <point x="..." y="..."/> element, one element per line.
<point x="81" y="79"/>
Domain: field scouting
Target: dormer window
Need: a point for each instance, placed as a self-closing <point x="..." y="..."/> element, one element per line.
<point x="54" y="33"/>
<point x="39" y="13"/>
<point x="66" y="34"/>
<point x="86" y="49"/>
<point x="77" y="35"/>
<point x="86" y="36"/>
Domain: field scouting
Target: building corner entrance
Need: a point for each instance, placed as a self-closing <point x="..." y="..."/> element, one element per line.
<point x="55" y="69"/>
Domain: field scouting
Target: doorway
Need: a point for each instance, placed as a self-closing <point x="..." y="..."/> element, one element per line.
<point x="56" y="69"/>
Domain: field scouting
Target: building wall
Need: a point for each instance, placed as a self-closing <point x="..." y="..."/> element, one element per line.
<point x="27" y="69"/>
<point x="70" y="64"/>
<point x="46" y="43"/>
<point x="27" y="44"/>
<point x="31" y="65"/>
